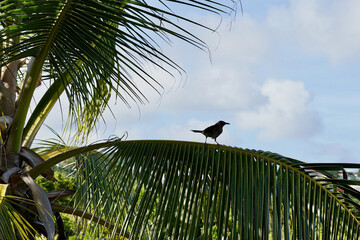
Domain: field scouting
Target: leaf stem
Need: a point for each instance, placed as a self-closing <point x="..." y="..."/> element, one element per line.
<point x="16" y="131"/>
<point x="36" y="171"/>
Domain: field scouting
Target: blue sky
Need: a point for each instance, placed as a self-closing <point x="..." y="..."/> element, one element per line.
<point x="284" y="74"/>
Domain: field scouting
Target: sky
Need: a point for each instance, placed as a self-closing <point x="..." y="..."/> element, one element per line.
<point x="284" y="74"/>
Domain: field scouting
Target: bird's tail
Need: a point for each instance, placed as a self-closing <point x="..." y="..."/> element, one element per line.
<point x="197" y="131"/>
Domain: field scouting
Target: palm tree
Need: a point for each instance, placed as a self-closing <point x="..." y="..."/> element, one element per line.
<point x="89" y="50"/>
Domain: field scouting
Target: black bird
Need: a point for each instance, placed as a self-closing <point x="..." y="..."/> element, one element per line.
<point x="213" y="131"/>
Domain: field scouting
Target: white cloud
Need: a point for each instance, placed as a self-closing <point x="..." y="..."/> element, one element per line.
<point x="244" y="40"/>
<point x="226" y="83"/>
<point x="329" y="28"/>
<point x="286" y="113"/>
<point x="181" y="130"/>
<point x="215" y="89"/>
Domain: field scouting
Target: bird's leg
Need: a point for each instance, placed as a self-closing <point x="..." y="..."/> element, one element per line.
<point x="216" y="141"/>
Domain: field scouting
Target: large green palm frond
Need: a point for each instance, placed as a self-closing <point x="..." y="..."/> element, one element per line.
<point x="91" y="48"/>
<point x="182" y="190"/>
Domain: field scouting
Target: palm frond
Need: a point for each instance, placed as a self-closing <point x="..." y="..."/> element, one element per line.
<point x="43" y="205"/>
<point x="182" y="190"/>
<point x="94" y="48"/>
<point x="13" y="224"/>
<point x="72" y="152"/>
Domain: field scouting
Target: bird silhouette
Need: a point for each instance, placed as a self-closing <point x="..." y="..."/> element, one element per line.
<point x="213" y="131"/>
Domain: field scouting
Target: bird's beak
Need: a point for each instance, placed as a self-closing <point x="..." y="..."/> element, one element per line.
<point x="227" y="123"/>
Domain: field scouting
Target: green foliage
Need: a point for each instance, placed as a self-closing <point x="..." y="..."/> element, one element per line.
<point x="62" y="182"/>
